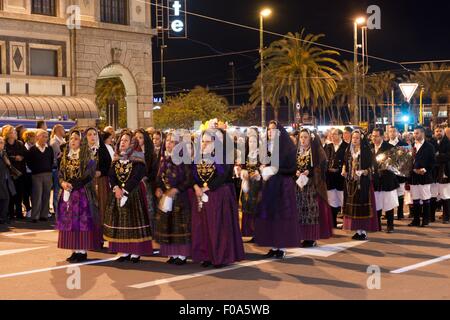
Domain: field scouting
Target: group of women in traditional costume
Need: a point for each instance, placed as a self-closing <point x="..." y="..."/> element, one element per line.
<point x="145" y="197"/>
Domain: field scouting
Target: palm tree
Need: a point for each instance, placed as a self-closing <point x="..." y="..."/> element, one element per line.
<point x="297" y="69"/>
<point x="435" y="79"/>
<point x="345" y="90"/>
<point x="377" y="91"/>
<point x="111" y="89"/>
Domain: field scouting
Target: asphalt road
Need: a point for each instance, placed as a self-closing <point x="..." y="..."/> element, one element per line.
<point x="414" y="263"/>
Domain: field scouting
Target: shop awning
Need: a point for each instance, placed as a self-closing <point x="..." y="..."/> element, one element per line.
<point x="47" y="107"/>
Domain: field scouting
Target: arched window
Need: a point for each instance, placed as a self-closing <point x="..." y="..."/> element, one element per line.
<point x="114" y="11"/>
<point x="45" y="7"/>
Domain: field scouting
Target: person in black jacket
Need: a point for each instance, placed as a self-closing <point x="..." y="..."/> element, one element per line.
<point x="396" y="142"/>
<point x="40" y="161"/>
<point x="441" y="172"/>
<point x="384" y="181"/>
<point x="335" y="152"/>
<point x="422" y="178"/>
<point x="16" y="151"/>
<point x="6" y="184"/>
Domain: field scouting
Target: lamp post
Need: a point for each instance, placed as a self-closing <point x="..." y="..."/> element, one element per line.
<point x="263" y="14"/>
<point x="358" y="21"/>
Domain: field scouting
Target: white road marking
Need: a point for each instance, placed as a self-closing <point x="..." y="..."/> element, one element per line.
<point x="421" y="264"/>
<point x="13" y="251"/>
<point x="12" y="234"/>
<point x="11" y="275"/>
<point x="325" y="251"/>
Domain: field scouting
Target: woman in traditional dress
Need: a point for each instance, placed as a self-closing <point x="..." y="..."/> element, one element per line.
<point x="173" y="225"/>
<point x="314" y="213"/>
<point x="146" y="145"/>
<point x="251" y="184"/>
<point x="78" y="220"/>
<point x="216" y="237"/>
<point x="127" y="221"/>
<point x="276" y="223"/>
<point x="359" y="210"/>
<point x="103" y="159"/>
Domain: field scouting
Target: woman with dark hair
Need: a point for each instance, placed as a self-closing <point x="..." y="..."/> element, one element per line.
<point x="276" y="224"/>
<point x="77" y="216"/>
<point x="359" y="209"/>
<point x="103" y="159"/>
<point x="314" y="213"/>
<point x="126" y="223"/>
<point x="147" y="147"/>
<point x="173" y="217"/>
<point x="251" y="183"/>
<point x="216" y="237"/>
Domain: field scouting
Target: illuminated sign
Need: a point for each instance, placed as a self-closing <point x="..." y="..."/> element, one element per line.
<point x="408" y="90"/>
<point x="177" y="18"/>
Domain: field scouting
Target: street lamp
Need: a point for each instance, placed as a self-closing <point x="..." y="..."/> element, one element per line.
<point x="266" y="12"/>
<point x="358" y="21"/>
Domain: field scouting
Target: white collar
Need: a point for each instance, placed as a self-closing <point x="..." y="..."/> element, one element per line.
<point x="336" y="147"/>
<point x="60" y="140"/>
<point x="394" y="142"/>
<point x="419" y="144"/>
<point x="42" y="149"/>
<point x="74" y="154"/>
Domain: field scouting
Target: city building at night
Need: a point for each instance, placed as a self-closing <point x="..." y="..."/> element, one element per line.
<point x="52" y="53"/>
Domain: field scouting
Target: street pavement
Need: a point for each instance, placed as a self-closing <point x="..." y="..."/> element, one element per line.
<point x="414" y="263"/>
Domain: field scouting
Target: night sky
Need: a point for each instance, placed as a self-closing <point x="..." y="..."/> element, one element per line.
<point x="410" y="31"/>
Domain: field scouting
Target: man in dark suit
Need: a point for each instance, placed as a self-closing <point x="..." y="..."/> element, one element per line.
<point x="422" y="178"/>
<point x="441" y="172"/>
<point x="385" y="182"/>
<point x="396" y="142"/>
<point x="335" y="152"/>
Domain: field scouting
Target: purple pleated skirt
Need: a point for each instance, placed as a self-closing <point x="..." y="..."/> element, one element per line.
<point x="80" y="240"/>
<point x="167" y="250"/>
<point x="248" y="225"/>
<point x="139" y="248"/>
<point x="279" y="229"/>
<point x="216" y="236"/>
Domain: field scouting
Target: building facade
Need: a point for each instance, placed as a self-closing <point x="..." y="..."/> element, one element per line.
<point x="57" y="50"/>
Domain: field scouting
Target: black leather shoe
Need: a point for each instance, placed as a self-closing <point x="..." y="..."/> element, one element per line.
<point x="206" y="264"/>
<point x="124" y="258"/>
<point x="390" y="229"/>
<point x="271" y="253"/>
<point x="81" y="257"/>
<point x="356" y="236"/>
<point x="414" y="224"/>
<point x="135" y="259"/>
<point x="309" y="244"/>
<point x="72" y="258"/>
<point x="219" y="266"/>
<point x="171" y="260"/>
<point x="363" y="237"/>
<point x="180" y="262"/>
<point x="280" y="254"/>
<point x="252" y="240"/>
